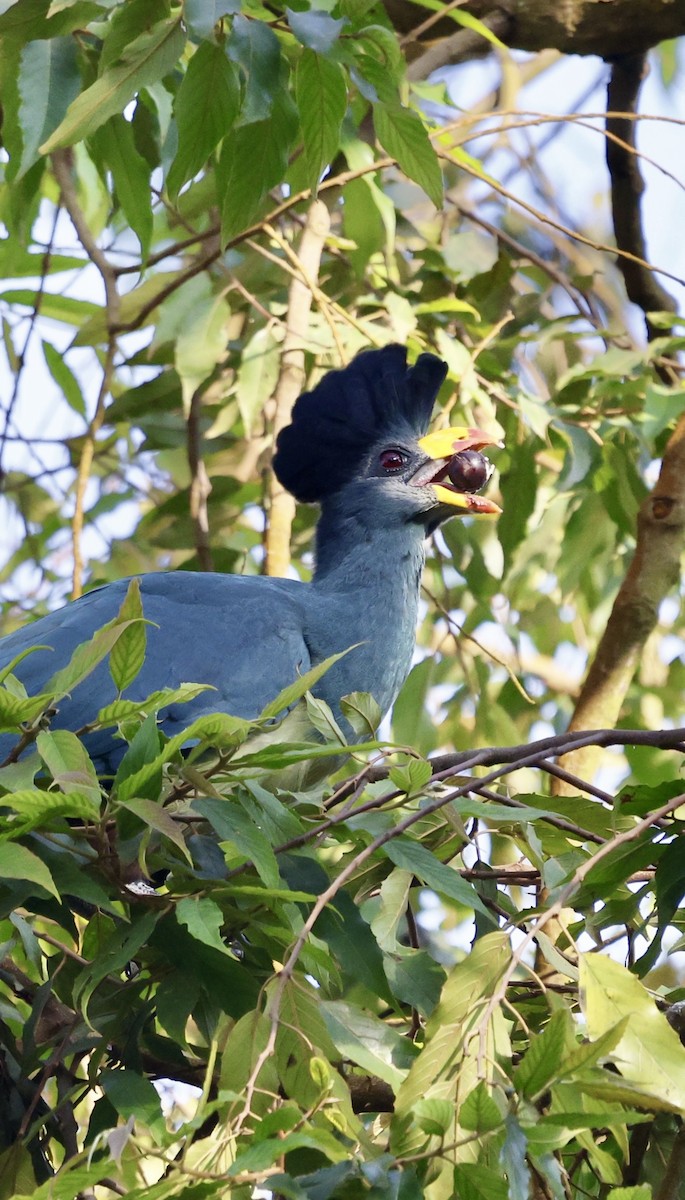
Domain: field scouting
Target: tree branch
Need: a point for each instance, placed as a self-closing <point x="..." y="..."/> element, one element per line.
<point x="281" y="506"/>
<point x="461" y="46"/>
<point x="627" y="186"/>
<point x="653" y="572"/>
<point x="200" y="486"/>
<point x="671" y="1184"/>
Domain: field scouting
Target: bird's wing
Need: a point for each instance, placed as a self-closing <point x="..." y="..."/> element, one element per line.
<point x="243" y="636"/>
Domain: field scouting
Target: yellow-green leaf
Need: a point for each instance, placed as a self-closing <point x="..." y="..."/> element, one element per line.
<point x="147" y="59"/>
<point x="649" y="1055"/>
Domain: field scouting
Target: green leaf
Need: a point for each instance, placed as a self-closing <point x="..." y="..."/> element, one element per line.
<point x="315" y="29"/>
<point x="123" y="710"/>
<point x="133" y="1096"/>
<point x="439" y="1069"/>
<point x="68" y="763"/>
<point x="42" y="806"/>
<point x="17" y="262"/>
<point x="412" y="856"/>
<point x="403" y="136"/>
<point x="131" y="174"/>
<point x="341" y="925"/>
<point x="642" y="1191"/>
<point x="434" y="1116"/>
<point x="49" y="81"/>
<point x="363" y="221"/>
<point x="362" y="712"/>
<point x="147" y="59"/>
<point x="415" y="979"/>
<point x="256" y="50"/>
<point x="118" y="951"/>
<point x="139" y="773"/>
<point x="216" y="729"/>
<point x="203" y="919"/>
<point x="295" y="691"/>
<point x="541" y="1061"/>
<point x="470" y="22"/>
<point x="202" y="343"/>
<point x="413" y="777"/>
<point x="230" y="986"/>
<point x="257" y="375"/>
<point x="85" y="659"/>
<point x="65" y="379"/>
<point x="321" y="95"/>
<point x="234" y="825"/>
<point x="649" y="1055"/>
<point x="15" y="709"/>
<point x="474" y="1181"/>
<point x="321" y="719"/>
<point x="157" y="817"/>
<point x="71" y="1181"/>
<point x="206" y="106"/>
<point x="480" y="1111"/>
<point x="670" y="880"/>
<point x="519" y="492"/>
<point x="128" y="652"/>
<point x="263" y="1154"/>
<point x="245" y="178"/>
<point x="394" y="896"/>
<point x="140" y="300"/>
<point x="66" y="309"/>
<point x="379" y="65"/>
<point x="513" y="1159"/>
<point x="368" y="1041"/>
<point x="202" y="15"/>
<point x="10" y="348"/>
<point x="16" y="862"/>
<point x="587" y="1054"/>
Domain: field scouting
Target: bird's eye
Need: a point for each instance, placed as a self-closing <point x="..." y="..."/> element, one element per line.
<point x="393" y="460"/>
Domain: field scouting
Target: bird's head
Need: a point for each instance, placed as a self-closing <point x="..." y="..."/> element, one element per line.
<point x="362" y="431"/>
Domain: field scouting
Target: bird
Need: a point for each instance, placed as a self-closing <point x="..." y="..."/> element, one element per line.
<point x="358" y="446"/>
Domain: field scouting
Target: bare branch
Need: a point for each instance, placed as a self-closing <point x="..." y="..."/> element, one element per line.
<point x="627" y="186"/>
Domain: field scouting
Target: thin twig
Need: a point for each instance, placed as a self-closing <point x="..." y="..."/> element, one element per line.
<point x="200" y="486"/>
<point x="44" y="271"/>
<point x="62" y="165"/>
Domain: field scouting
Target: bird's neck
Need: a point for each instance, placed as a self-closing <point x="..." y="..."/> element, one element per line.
<point x="368" y="576"/>
<point x="355" y="553"/>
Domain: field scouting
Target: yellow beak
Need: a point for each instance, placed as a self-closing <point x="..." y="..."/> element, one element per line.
<point x="442" y="445"/>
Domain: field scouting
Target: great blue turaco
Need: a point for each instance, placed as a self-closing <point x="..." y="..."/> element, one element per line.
<point x="358" y="446"/>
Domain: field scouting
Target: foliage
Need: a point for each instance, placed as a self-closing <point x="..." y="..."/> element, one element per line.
<point x="112" y="983"/>
<point x="160" y="170"/>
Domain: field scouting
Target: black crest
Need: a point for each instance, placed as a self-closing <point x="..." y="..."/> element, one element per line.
<point x="333" y="427"/>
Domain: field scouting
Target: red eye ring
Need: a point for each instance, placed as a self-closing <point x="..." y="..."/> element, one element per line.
<point x="393" y="460"/>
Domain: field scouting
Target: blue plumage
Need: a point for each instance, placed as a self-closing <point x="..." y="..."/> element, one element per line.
<point x="352" y="446"/>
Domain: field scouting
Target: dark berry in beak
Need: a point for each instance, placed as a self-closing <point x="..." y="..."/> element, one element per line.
<point x="469" y="471"/>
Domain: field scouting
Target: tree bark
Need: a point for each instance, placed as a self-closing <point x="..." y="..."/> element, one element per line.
<point x="597" y="27"/>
